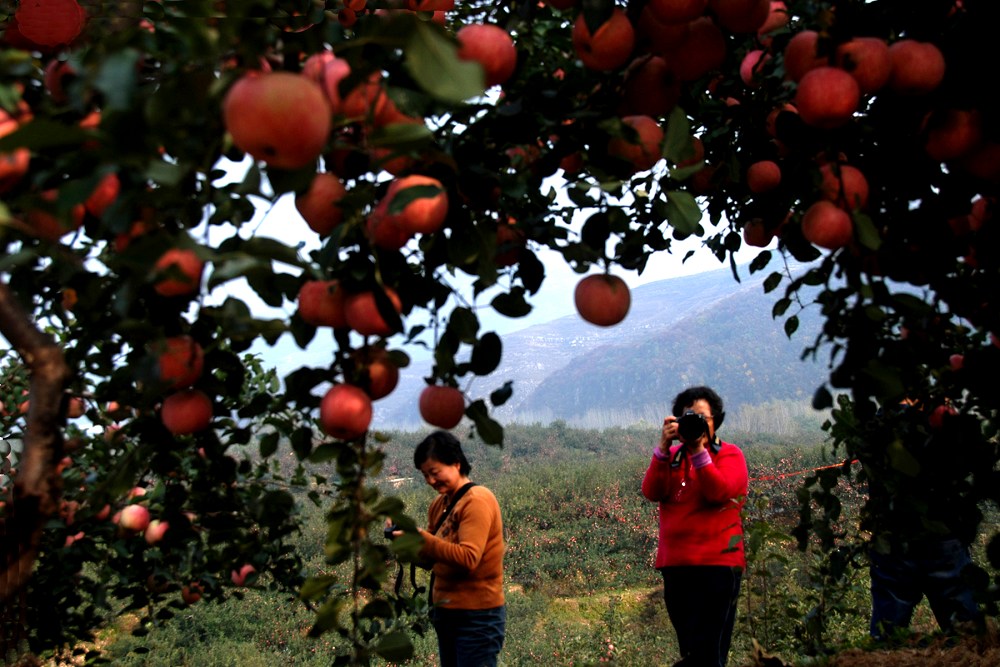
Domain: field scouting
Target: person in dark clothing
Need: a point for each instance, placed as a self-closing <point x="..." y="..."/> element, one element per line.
<point x="922" y="521"/>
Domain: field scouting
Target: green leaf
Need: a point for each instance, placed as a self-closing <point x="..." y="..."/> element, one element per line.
<point x="772" y="281"/>
<point x="402" y="198"/>
<point x="867" y="233"/>
<point x="232" y="266"/>
<point x="316" y="587"/>
<point x="683" y="213"/>
<point x="268" y="444"/>
<point x="760" y="262"/>
<point x="117" y="79"/>
<point x="325" y="452"/>
<point x="500" y="396"/>
<point x="486" y="354"/>
<point x="678" y="144"/>
<point x="511" y="304"/>
<point x="377" y="609"/>
<point x="791" y="325"/>
<point x="432" y="61"/>
<point x="902" y="460"/>
<point x="165" y="173"/>
<point x="41" y="134"/>
<point x="328" y="617"/>
<point x="822" y="399"/>
<point x="488" y="429"/>
<point x="403" y="136"/>
<point x="596" y="13"/>
<point x="596" y="230"/>
<point x="395" y="647"/>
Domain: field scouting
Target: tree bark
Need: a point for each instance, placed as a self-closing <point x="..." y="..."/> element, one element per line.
<point x="37" y="487"/>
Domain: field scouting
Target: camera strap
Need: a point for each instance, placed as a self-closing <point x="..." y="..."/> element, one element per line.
<point x="451" y="505"/>
<point x="444" y="515"/>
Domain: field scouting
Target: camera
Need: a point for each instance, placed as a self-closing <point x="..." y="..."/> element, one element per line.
<point x="389" y="530"/>
<point x="691" y="426"/>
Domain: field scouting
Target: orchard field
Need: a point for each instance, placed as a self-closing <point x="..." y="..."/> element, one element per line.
<point x="580" y="584"/>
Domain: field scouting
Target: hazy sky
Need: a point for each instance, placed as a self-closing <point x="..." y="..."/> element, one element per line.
<point x="554" y="300"/>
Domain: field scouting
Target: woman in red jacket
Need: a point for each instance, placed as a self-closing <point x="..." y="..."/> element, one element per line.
<point x="700" y="484"/>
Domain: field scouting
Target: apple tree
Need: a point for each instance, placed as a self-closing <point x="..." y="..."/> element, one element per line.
<point x="142" y="142"/>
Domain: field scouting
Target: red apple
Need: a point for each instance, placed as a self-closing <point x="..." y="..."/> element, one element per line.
<point x="752" y="65"/>
<point x="647" y="150"/>
<point x="155" y="530"/>
<point x="755" y="233"/>
<point x="186" y="411"/>
<point x="492" y="47"/>
<point x="384" y="230"/>
<point x="658" y="36"/>
<point x="48" y="223"/>
<point x="741" y="16"/>
<point x="321" y="303"/>
<point x="178" y="272"/>
<point x="319" y="206"/>
<point x="827" y="225"/>
<point x="702" y="50"/>
<point x="362" y="314"/>
<point x="510" y="241"/>
<point x="677" y="11"/>
<point x="239" y="577"/>
<point x="939" y="415"/>
<point x="281" y="118"/>
<point x="181" y="361"/>
<point x="609" y="47"/>
<point x="827" y="97"/>
<point x="763" y="176"/>
<point x="801" y="54"/>
<point x="103" y="195"/>
<point x="134" y="518"/>
<point x="917" y="67"/>
<point x="426" y="208"/>
<point x="75" y="408"/>
<point x="192" y="592"/>
<point x="602" y="299"/>
<point x="844" y="185"/>
<point x="345" y="412"/>
<point x="956" y="361"/>
<point x="652" y="88"/>
<point x="952" y="133"/>
<point x="777" y="18"/>
<point x="328" y="71"/>
<point x="383" y="374"/>
<point x="442" y="406"/>
<point x="868" y="61"/>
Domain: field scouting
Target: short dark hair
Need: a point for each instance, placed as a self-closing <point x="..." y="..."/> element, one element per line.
<point x="443" y="447"/>
<point x="692" y="394"/>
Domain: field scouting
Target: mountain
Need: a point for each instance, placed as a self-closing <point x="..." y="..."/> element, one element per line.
<point x="700" y="329"/>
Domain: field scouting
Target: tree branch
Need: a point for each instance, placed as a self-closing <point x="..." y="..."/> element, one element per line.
<point x="37" y="487"/>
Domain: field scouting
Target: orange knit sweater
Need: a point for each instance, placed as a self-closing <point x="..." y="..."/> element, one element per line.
<point x="467" y="551"/>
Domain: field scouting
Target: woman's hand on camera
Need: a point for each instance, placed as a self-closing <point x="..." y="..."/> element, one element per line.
<point x="668" y="434"/>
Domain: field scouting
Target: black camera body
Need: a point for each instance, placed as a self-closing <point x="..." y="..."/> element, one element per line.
<point x="691" y="426"/>
<point x="389" y="530"/>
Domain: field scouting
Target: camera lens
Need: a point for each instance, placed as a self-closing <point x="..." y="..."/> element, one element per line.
<point x="691" y="426"/>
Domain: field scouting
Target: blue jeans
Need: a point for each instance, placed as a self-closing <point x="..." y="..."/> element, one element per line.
<point x="469" y="637"/>
<point x="701" y="603"/>
<point x="898" y="583"/>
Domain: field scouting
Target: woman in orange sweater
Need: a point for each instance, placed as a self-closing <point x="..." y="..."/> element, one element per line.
<point x="464" y="542"/>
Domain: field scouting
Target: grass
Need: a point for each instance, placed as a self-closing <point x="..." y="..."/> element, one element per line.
<point x="581" y="589"/>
